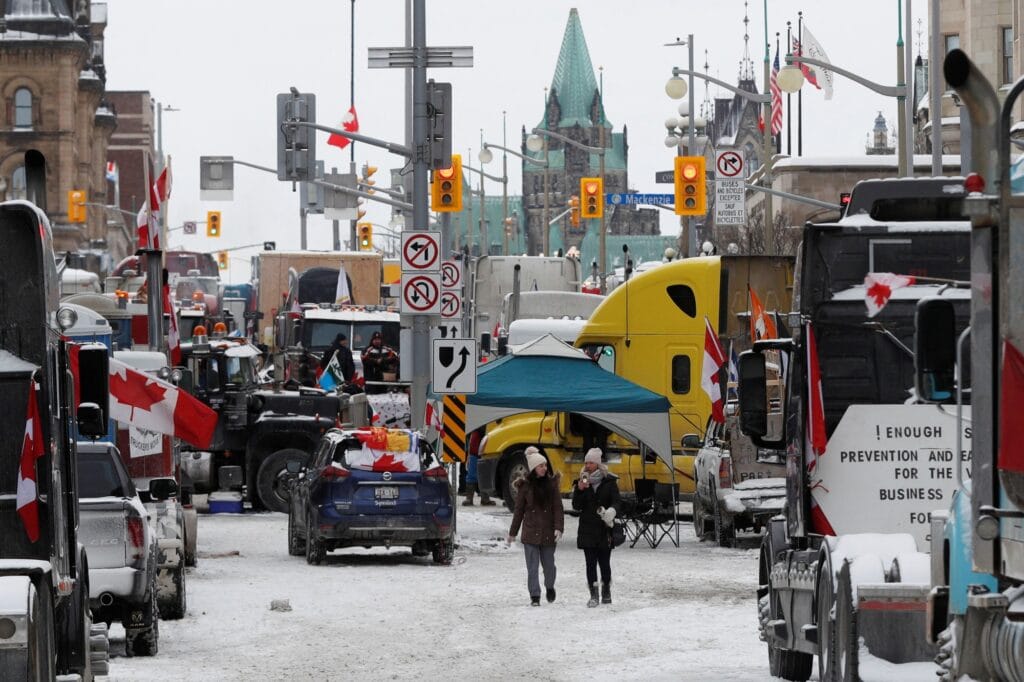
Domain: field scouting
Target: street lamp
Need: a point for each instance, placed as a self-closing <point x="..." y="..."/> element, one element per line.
<point x="484" y="246"/>
<point x="900" y="92"/>
<point x="765" y="100"/>
<point x="542" y="132"/>
<point x="536" y="143"/>
<point x="486" y="156"/>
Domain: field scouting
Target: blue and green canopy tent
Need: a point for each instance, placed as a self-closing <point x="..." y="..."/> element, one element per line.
<point x="549" y="375"/>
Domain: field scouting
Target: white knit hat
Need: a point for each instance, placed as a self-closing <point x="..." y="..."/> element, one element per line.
<point x="593" y="455"/>
<point x="534" y="458"/>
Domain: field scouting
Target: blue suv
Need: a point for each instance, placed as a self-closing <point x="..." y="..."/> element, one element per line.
<point x="371" y="487"/>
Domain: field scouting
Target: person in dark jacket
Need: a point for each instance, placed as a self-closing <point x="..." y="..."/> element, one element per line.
<point x="539" y="511"/>
<point x="596" y="496"/>
<point x="377" y="359"/>
<point x="340" y="348"/>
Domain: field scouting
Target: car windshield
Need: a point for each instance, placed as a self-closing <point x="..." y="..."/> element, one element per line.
<point x="98" y="476"/>
<point x="240" y="371"/>
<point x="362" y="332"/>
<point x="319" y="334"/>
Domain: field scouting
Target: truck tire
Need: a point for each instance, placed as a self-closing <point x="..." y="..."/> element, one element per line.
<point x="824" y="597"/>
<point x="699" y="523"/>
<point x="296" y="546"/>
<point x="273" y="478"/>
<point x="784" y="663"/>
<point x="513" y="469"/>
<point x="847" y="653"/>
<point x="144" y="640"/>
<point x="316" y="552"/>
<point x="173" y="604"/>
<point x="725" y="530"/>
<point x="191" y="525"/>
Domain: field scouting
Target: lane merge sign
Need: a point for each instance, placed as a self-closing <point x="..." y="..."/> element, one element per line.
<point x="453" y="366"/>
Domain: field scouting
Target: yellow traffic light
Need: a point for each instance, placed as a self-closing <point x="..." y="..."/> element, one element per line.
<point x="222" y="260"/>
<point x="446" y="187"/>
<point x="592" y="193"/>
<point x="365" y="231"/>
<point x="574" y="210"/>
<point x="76" y="206"/>
<point x="213" y="223"/>
<point x="691" y="190"/>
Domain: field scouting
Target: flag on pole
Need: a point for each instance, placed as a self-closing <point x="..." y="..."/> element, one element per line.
<point x="112" y="172"/>
<point x="173" y="337"/>
<point x="163" y="183"/>
<point x="878" y="288"/>
<point x="762" y="326"/>
<point x="734" y="372"/>
<point x="816" y="440"/>
<point x="349" y="123"/>
<point x="714" y="358"/>
<point x="31" y="450"/>
<point x="332" y="376"/>
<point x="810" y="47"/>
<point x="341" y="292"/>
<point x="147" y="222"/>
<point x="776" y="96"/>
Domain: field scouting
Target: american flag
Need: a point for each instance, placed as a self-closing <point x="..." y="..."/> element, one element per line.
<point x="776" y="97"/>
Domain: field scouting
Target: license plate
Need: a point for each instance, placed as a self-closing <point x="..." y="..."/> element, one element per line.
<point x="386" y="492"/>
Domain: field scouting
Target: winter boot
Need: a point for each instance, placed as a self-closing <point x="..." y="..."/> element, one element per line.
<point x="593" y="595"/>
<point x="534" y="601"/>
<point x="485" y="499"/>
<point x="606" y="592"/>
<point x="470" y="492"/>
<point x="550" y="594"/>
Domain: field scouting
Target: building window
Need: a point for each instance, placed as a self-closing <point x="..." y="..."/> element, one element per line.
<point x="19" y="189"/>
<point x="22" y="108"/>
<point x="681" y="374"/>
<point x="1007" y="55"/>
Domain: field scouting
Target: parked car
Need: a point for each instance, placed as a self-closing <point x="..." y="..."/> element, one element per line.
<point x="121" y="546"/>
<point x="371" y="487"/>
<point x="736" y="488"/>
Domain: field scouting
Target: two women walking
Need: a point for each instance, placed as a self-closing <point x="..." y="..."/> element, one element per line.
<point x="538" y="511"/>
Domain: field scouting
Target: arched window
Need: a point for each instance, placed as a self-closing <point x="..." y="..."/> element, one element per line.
<point x="19" y="189"/>
<point x="22" y="108"/>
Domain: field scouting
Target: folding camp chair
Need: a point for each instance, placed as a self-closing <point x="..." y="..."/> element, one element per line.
<point x="661" y="519"/>
<point x="637" y="519"/>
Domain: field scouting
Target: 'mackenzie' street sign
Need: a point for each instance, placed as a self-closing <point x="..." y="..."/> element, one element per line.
<point x="654" y="199"/>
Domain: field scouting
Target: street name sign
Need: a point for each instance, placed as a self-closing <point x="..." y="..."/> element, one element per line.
<point x="655" y="199"/>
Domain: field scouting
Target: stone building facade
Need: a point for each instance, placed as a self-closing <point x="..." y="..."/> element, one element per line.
<point x="575" y="110"/>
<point x="56" y="115"/>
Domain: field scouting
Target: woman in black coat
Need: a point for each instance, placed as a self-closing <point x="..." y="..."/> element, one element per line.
<point x="596" y="496"/>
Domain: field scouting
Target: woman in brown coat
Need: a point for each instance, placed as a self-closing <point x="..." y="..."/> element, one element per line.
<point x="539" y="511"/>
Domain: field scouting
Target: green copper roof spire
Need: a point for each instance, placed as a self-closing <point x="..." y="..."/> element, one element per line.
<point x="574" y="83"/>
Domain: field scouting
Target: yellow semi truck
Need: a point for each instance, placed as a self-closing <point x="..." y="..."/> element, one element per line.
<point x="649" y="330"/>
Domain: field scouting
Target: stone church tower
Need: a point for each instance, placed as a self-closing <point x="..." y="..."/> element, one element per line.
<point x="575" y="110"/>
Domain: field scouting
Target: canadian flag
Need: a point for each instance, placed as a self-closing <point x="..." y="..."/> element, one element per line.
<point x="147" y="222"/>
<point x="878" y="288"/>
<point x="147" y="402"/>
<point x="433" y="413"/>
<point x="163" y="183"/>
<point x="31" y="450"/>
<point x="350" y="123"/>
<point x="714" y="358"/>
<point x="173" y="338"/>
<point x="817" y="439"/>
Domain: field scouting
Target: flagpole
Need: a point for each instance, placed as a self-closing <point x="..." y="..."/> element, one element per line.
<point x="800" y="93"/>
<point x="789" y="97"/>
<point x="778" y="138"/>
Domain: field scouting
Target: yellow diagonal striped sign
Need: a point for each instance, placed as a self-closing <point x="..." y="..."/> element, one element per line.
<point x="453" y="417"/>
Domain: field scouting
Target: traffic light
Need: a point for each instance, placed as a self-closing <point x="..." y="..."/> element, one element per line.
<point x="213" y="223"/>
<point x="222" y="260"/>
<point x="76" y="206"/>
<point x="691" y="190"/>
<point x="574" y="210"/>
<point x="365" y="236"/>
<point x="446" y="187"/>
<point x="367" y="179"/>
<point x="592" y="192"/>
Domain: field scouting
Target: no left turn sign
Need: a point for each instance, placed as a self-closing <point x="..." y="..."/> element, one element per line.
<point x="421" y="251"/>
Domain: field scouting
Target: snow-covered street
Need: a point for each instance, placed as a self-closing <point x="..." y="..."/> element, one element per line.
<point x="685" y="613"/>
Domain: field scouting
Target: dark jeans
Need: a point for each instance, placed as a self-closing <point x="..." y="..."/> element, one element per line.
<point x="594" y="557"/>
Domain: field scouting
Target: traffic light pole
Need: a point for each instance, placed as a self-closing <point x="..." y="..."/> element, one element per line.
<point x="420" y="208"/>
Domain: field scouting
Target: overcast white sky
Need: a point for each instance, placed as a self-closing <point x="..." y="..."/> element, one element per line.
<point x="222" y="64"/>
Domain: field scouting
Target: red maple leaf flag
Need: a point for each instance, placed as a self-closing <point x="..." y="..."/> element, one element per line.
<point x="147" y="222"/>
<point x="147" y="402"/>
<point x="878" y="288"/>
<point x="173" y="337"/>
<point x="714" y="358"/>
<point x="31" y="450"/>
<point x="349" y="123"/>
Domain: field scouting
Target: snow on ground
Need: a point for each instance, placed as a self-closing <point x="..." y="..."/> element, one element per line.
<point x="685" y="613"/>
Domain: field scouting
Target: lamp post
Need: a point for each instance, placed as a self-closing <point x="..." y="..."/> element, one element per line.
<point x="483" y="223"/>
<point x="676" y="88"/>
<point x="486" y="156"/>
<point x="695" y="142"/>
<point x="536" y="143"/>
<point x="791" y="78"/>
<point x="542" y="134"/>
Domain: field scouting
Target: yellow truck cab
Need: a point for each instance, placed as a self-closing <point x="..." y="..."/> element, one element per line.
<point x="649" y="330"/>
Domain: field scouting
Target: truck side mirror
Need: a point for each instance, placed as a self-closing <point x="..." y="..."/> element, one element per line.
<point x="163" y="488"/>
<point x="934" y="350"/>
<point x="91" y="422"/>
<point x="691" y="441"/>
<point x="753" y="395"/>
